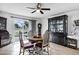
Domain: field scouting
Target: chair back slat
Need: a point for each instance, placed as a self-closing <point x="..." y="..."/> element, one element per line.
<point x="21" y="39"/>
<point x="46" y="38"/>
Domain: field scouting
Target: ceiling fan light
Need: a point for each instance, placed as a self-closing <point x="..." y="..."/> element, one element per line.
<point x="38" y="10"/>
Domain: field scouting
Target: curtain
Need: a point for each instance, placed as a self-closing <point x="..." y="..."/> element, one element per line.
<point x="33" y="25"/>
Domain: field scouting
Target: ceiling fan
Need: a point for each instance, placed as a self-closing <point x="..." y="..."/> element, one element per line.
<point x="38" y="8"/>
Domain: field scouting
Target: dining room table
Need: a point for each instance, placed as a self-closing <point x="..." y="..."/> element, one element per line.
<point x="35" y="39"/>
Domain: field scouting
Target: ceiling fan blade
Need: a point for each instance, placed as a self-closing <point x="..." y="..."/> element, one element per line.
<point x="33" y="11"/>
<point x="30" y="8"/>
<point x="45" y="8"/>
<point x="41" y="12"/>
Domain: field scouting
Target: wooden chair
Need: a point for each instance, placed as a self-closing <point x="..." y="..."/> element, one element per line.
<point x="45" y="43"/>
<point x="23" y="45"/>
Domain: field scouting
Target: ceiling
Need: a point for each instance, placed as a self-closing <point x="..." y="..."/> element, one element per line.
<point x="20" y="8"/>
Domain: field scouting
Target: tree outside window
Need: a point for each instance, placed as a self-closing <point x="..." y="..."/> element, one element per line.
<point x="21" y="26"/>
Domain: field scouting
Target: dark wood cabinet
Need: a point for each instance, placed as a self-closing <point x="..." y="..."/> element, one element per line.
<point x="3" y="23"/>
<point x="58" y="27"/>
<point x="4" y="34"/>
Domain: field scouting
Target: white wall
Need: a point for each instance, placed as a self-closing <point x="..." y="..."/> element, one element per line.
<point x="73" y="15"/>
<point x="44" y="23"/>
<point x="11" y="22"/>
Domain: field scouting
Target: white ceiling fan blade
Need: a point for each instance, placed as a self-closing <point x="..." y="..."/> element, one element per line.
<point x="30" y="8"/>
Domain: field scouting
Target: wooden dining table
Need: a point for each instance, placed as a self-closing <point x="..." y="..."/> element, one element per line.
<point x="36" y="39"/>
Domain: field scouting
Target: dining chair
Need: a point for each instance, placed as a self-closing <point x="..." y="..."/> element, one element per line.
<point x="24" y="46"/>
<point x="44" y="46"/>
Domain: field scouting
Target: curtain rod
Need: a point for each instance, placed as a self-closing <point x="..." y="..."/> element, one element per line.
<point x="20" y="18"/>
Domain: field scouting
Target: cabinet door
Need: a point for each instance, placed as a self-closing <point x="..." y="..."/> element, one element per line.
<point x="58" y="26"/>
<point x="2" y="23"/>
<point x="52" y="25"/>
<point x="54" y="38"/>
